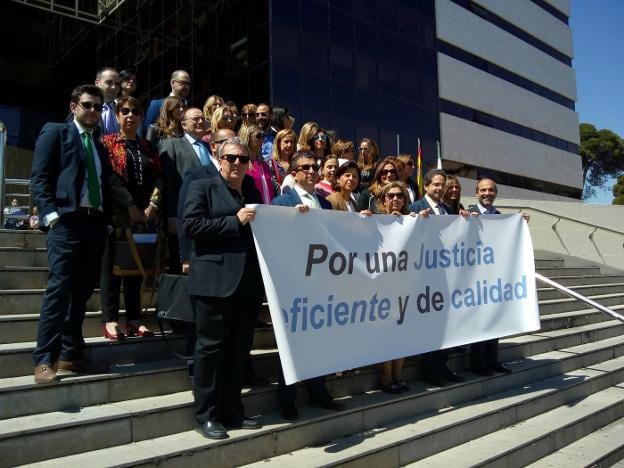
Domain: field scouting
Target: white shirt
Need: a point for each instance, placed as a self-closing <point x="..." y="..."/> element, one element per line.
<point x="437" y="208"/>
<point x="307" y="198"/>
<point x="484" y="210"/>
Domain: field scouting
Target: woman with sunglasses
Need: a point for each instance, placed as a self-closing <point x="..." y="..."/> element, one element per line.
<point x="258" y="169"/>
<point x="319" y="145"/>
<point x="307" y="132"/>
<point x="367" y="154"/>
<point x="128" y="81"/>
<point x="347" y="181"/>
<point x="325" y="186"/>
<point x="387" y="171"/>
<point x="222" y="117"/>
<point x="392" y="200"/>
<point x="279" y="165"/>
<point x="169" y="122"/>
<point x="138" y="200"/>
<point x="248" y="114"/>
<point x="406" y="176"/>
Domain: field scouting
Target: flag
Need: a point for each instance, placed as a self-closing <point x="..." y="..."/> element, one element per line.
<point x="419" y="172"/>
<point x="439" y="156"/>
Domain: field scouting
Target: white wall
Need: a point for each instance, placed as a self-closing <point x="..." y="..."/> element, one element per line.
<point x="562" y="5"/>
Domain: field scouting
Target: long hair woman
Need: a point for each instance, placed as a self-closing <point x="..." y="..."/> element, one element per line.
<point x="279" y="165"/>
<point x="259" y="170"/>
<point x="168" y="124"/>
<point x="387" y="171"/>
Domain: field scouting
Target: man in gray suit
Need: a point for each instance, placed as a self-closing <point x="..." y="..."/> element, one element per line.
<point x="178" y="156"/>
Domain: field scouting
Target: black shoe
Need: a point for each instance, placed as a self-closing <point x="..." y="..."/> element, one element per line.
<point x="390" y="388"/>
<point x="328" y="403"/>
<point x="482" y="370"/>
<point x="448" y="374"/>
<point x="289" y="412"/>
<point x="213" y="430"/>
<point x="498" y="367"/>
<point x="402" y="386"/>
<point x="244" y="423"/>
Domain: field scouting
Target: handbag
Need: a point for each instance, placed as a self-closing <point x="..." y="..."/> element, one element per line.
<point x="173" y="304"/>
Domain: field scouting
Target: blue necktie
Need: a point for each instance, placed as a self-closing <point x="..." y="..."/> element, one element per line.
<point x="204" y="156"/>
<point x="110" y="122"/>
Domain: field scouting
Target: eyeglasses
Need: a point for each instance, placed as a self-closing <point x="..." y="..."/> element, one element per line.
<point x="218" y="142"/>
<point x="392" y="195"/>
<point x="258" y="136"/>
<point x="86" y="105"/>
<point x="112" y="83"/>
<point x="363" y="150"/>
<point x="183" y="83"/>
<point x="229" y="118"/>
<point x="127" y="110"/>
<point x="387" y="172"/>
<point x="248" y="115"/>
<point x="319" y="137"/>
<point x="307" y="167"/>
<point x="262" y="114"/>
<point x="196" y="119"/>
<point x="231" y="158"/>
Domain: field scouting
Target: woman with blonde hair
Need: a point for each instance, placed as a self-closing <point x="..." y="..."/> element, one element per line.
<point x="168" y="124"/>
<point x="248" y="113"/>
<point x="308" y="130"/>
<point x="259" y="170"/>
<point x="279" y="165"/>
<point x="212" y="103"/>
<point x="367" y="155"/>
<point x="222" y="117"/>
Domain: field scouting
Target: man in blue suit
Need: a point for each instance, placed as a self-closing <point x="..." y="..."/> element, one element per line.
<point x="180" y="86"/>
<point x="71" y="178"/>
<point x="304" y="169"/>
<point x="434" y="364"/>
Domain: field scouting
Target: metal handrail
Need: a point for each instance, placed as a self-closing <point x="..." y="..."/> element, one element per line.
<point x="3" y="138"/>
<point x="514" y="207"/>
<point x="580" y="297"/>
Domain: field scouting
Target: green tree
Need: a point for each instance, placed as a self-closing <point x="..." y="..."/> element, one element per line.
<point x="618" y="191"/>
<point x="602" y="155"/>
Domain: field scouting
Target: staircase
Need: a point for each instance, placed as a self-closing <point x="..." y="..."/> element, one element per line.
<point x="563" y="406"/>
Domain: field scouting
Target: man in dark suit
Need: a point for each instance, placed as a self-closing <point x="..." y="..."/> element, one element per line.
<point x="225" y="287"/>
<point x="484" y="355"/>
<point x="180" y="86"/>
<point x="178" y="156"/>
<point x="304" y="169"/>
<point x="107" y="79"/>
<point x="434" y="364"/>
<point x="71" y="176"/>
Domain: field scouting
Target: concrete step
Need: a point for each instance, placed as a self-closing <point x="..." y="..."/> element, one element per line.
<point x="537" y="437"/>
<point x="568" y="271"/>
<point x="10" y="238"/>
<point x="544" y="294"/>
<point x="430" y="420"/>
<point x="577" y="280"/>
<point x="549" y="262"/>
<point x="554" y="306"/>
<point x="24" y="257"/>
<point x="575" y="318"/>
<point x="603" y="447"/>
<point x="23" y="277"/>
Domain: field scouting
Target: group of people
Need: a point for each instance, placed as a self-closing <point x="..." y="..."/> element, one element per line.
<point x="190" y="172"/>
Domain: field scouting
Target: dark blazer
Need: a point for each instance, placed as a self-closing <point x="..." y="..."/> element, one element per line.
<point x="153" y="110"/>
<point x="290" y="197"/>
<point x="200" y="172"/>
<point x="475" y="209"/>
<point x="423" y="204"/>
<point x="177" y="157"/>
<point x="222" y="246"/>
<point x="58" y="169"/>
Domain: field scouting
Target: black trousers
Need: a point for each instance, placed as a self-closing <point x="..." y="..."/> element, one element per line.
<point x="75" y="246"/>
<point x="287" y="394"/>
<point x="225" y="328"/>
<point x="110" y="288"/>
<point x="484" y="354"/>
<point x="434" y="363"/>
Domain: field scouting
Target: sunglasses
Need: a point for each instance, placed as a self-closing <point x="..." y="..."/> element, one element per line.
<point x="229" y="118"/>
<point x="258" y="136"/>
<point x="392" y="195"/>
<point x="183" y="83"/>
<point x="248" y="115"/>
<point x="387" y="172"/>
<point x="127" y="110"/>
<point x="111" y="83"/>
<point x="231" y="158"/>
<point x="262" y="114"/>
<point x="307" y="167"/>
<point x="319" y="137"/>
<point x="86" y="105"/>
<point x="363" y="150"/>
<point x="196" y="119"/>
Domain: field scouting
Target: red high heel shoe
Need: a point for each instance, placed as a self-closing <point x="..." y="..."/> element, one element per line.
<point x="135" y="330"/>
<point x="113" y="336"/>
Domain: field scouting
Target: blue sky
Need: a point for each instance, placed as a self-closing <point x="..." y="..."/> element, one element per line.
<point x="598" y="37"/>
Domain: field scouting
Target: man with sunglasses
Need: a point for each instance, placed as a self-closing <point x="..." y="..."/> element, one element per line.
<point x="264" y="114"/>
<point x="305" y="170"/>
<point x="180" y="83"/>
<point x="107" y="79"/>
<point x="225" y="287"/>
<point x="71" y="174"/>
<point x="178" y="156"/>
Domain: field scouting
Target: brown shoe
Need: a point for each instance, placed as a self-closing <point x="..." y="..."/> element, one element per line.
<point x="44" y="373"/>
<point x="80" y="366"/>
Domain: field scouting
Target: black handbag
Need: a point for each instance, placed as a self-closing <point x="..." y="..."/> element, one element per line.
<point x="173" y="304"/>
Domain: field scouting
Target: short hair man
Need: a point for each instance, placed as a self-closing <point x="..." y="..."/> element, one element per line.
<point x="264" y="115"/>
<point x="180" y="83"/>
<point x="216" y="219"/>
<point x="107" y="79"/>
<point x="304" y="169"/>
<point x="178" y="156"/>
<point x="70" y="178"/>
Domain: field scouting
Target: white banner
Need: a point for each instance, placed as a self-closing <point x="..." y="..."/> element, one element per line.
<point x="346" y="291"/>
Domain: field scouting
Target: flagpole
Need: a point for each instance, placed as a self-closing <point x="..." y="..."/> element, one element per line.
<point x="398" y="141"/>
<point x="439" y="155"/>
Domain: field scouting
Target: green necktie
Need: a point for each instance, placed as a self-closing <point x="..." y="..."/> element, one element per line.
<point x="93" y="184"/>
